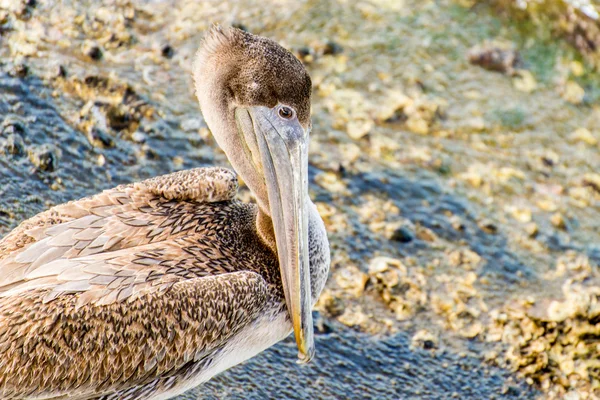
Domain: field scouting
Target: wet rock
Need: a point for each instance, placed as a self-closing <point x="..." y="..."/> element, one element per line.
<point x="45" y="158"/>
<point x="402" y="235"/>
<point x="494" y="58"/>
<point x="14" y="145"/>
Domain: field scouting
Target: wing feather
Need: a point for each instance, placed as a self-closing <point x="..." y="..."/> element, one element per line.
<point x="126" y="217"/>
<point x="97" y="354"/>
<point x="118" y="289"/>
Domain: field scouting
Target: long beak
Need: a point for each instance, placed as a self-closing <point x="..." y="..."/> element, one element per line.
<point x="283" y="149"/>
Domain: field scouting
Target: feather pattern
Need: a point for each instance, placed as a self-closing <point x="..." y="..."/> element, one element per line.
<point x="135" y="285"/>
<point x="148" y="289"/>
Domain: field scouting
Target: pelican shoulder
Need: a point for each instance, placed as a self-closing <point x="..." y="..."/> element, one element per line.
<point x="210" y="185"/>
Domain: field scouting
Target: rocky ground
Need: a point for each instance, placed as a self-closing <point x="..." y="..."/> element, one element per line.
<point x="455" y="158"/>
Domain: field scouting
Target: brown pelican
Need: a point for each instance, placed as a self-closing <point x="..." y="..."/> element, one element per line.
<point x="146" y="290"/>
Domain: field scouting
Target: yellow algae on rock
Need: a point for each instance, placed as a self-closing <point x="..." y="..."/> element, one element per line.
<point x="583" y="135"/>
<point x="573" y="93"/>
<point x="352" y="280"/>
<point x="524" y="81"/>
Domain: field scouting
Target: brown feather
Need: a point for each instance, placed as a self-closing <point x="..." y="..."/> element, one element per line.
<point x="69" y="292"/>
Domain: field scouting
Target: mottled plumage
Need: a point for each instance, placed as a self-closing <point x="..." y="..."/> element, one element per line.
<point x="131" y="287"/>
<point x="148" y="289"/>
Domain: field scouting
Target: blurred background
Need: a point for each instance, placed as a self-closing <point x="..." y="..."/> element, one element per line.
<point x="455" y="158"/>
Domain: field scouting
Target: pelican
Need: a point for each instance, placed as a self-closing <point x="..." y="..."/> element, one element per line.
<point x="149" y="289"/>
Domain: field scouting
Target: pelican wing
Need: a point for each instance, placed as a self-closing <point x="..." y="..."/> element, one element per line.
<point x="152" y="211"/>
<point x="128" y="287"/>
<point x="59" y="349"/>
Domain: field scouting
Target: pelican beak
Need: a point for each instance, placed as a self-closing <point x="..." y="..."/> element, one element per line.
<point x="280" y="148"/>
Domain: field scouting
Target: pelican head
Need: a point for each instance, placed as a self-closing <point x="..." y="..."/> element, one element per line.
<point x="255" y="97"/>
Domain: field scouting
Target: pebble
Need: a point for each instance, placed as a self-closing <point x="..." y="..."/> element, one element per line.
<point x="19" y="70"/>
<point x="92" y="50"/>
<point x="524" y="81"/>
<point x="425" y="340"/>
<point x="332" y="48"/>
<point x="417" y="125"/>
<point x="14" y="127"/>
<point x="583" y="135"/>
<point x="426" y="234"/>
<point x="305" y="54"/>
<point x="139" y="137"/>
<point x="402" y="235"/>
<point x="353" y="317"/>
<point x="14" y="145"/>
<point x="331" y="182"/>
<point x="521" y="214"/>
<point x="403" y="290"/>
<point x="558" y="221"/>
<point x="60" y="71"/>
<point x="488" y="227"/>
<point x="44" y="158"/>
<point x="531" y="229"/>
<point x="321" y="325"/>
<point x="464" y="258"/>
<point x="494" y="58"/>
<point x="592" y="180"/>
<point x="352" y="280"/>
<point x="357" y="129"/>
<point x="99" y="138"/>
<point x="101" y="160"/>
<point x="167" y="51"/>
<point x="573" y="93"/>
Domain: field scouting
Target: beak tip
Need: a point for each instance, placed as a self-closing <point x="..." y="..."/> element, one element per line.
<point x="305" y="358"/>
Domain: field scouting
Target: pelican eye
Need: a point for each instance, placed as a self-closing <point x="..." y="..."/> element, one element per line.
<point x="286" y="112"/>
